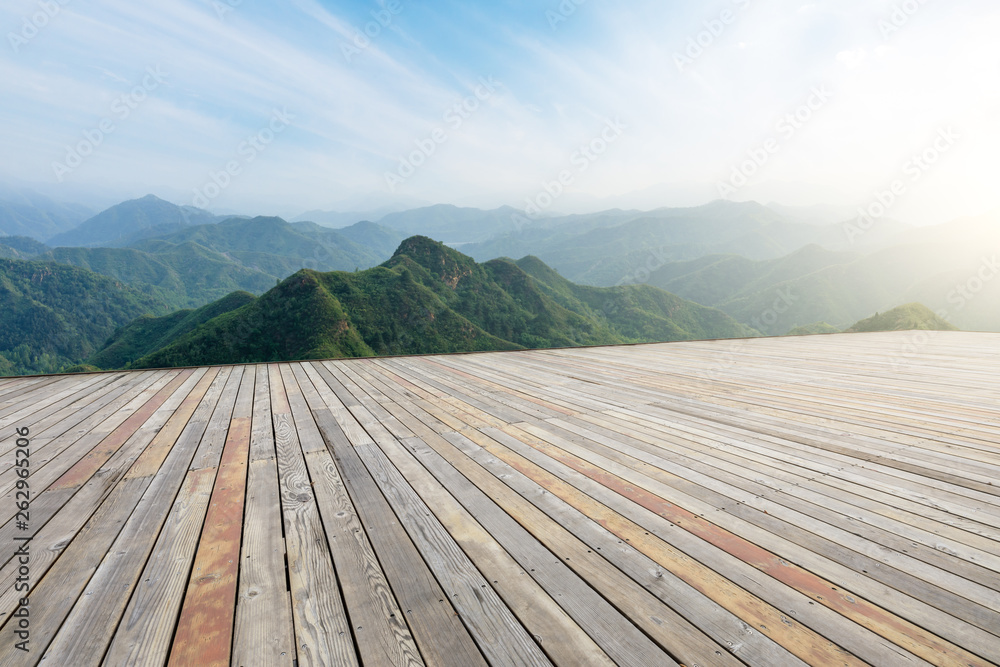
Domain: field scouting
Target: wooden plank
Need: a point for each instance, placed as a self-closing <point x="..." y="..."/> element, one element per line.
<point x="564" y="641"/>
<point x="53" y="596"/>
<point x="435" y="624"/>
<point x="384" y="637"/>
<point x="931" y="548"/>
<point x="863" y="502"/>
<point x="205" y="627"/>
<point x="689" y="549"/>
<point x="39" y="390"/>
<point x="753" y="507"/>
<point x="72" y="421"/>
<point x="99" y="455"/>
<point x="616" y="635"/>
<point x="60" y="516"/>
<point x="62" y="570"/>
<point x="676" y="573"/>
<point x="51" y="457"/>
<point x="88" y="628"/>
<point x="264" y="634"/>
<point x="71" y="393"/>
<point x="788" y="562"/>
<point x="919" y="491"/>
<point x="498" y="633"/>
<point x="147" y="627"/>
<point x="785" y="631"/>
<point x="322" y="629"/>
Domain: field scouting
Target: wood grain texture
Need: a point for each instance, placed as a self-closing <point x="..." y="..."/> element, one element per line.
<point x="440" y="635"/>
<point x="322" y="628"/>
<point x="263" y="634"/>
<point x="819" y="500"/>
<point x="85" y="634"/>
<point x="205" y="628"/>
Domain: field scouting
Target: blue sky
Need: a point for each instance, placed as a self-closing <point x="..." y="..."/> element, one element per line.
<point x="366" y="120"/>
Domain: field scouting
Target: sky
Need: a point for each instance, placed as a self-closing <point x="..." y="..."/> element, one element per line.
<point x="282" y="107"/>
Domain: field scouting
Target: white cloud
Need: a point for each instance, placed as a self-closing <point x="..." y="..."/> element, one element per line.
<point x="354" y="119"/>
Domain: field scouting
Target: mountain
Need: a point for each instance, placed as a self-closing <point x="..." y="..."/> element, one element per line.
<point x="637" y="312"/>
<point x="54" y="315"/>
<point x="148" y="333"/>
<point x="24" y="212"/>
<point x="717" y="280"/>
<point x="191" y="266"/>
<point x="618" y="247"/>
<point x="340" y="219"/>
<point x="908" y="317"/>
<point x="130" y="221"/>
<point x="278" y="248"/>
<point x="427" y="298"/>
<point x="814" y="328"/>
<point x="21" y="247"/>
<point x="950" y="268"/>
<point x="452" y="224"/>
<point x="182" y="275"/>
<point x="818" y="214"/>
<point x="383" y="240"/>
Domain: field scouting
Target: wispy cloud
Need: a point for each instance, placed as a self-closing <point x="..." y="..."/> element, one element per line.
<point x="355" y="117"/>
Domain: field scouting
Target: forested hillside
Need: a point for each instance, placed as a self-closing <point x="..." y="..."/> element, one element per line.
<point x="427" y="298"/>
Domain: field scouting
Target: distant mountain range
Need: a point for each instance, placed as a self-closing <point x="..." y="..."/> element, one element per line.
<point x="616" y="247"/>
<point x="427" y="298"/>
<point x="27" y="213"/>
<point x="722" y="269"/>
<point x="952" y="269"/>
<point x="157" y="248"/>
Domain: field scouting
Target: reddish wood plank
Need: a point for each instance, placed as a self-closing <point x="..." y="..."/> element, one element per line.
<point x="99" y="455"/>
<point x="205" y="628"/>
<point x="921" y="642"/>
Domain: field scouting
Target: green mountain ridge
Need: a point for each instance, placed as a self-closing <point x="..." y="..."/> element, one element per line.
<point x="55" y="315"/>
<point x="21" y="247"/>
<point x="813" y="329"/>
<point x="149" y="333"/>
<point x="279" y="248"/>
<point x="908" y="317"/>
<point x="184" y="275"/>
<point x="427" y="298"/>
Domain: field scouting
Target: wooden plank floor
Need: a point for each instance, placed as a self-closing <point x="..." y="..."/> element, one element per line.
<point x="826" y="500"/>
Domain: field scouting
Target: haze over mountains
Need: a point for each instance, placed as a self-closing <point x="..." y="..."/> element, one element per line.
<point x="718" y="270"/>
